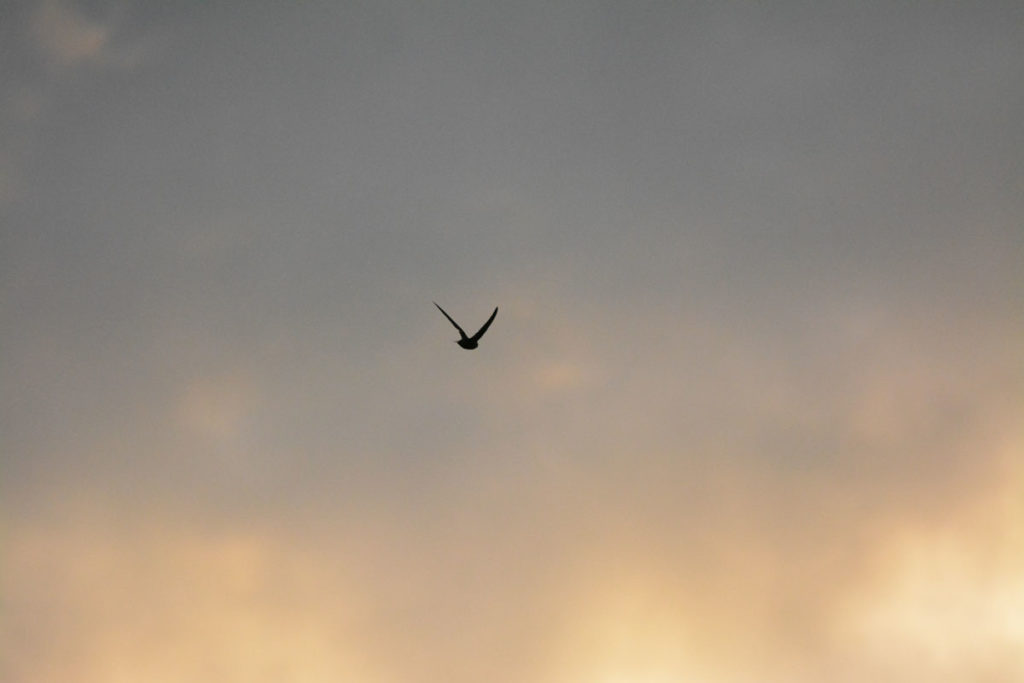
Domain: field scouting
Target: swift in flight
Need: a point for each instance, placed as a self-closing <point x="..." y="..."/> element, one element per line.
<point x="464" y="341"/>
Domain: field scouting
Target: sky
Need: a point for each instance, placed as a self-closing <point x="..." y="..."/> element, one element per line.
<point x="750" y="411"/>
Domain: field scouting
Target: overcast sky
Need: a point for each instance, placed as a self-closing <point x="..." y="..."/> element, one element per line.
<point x="751" y="409"/>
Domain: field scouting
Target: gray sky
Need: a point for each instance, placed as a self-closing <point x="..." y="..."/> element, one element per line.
<point x="750" y="410"/>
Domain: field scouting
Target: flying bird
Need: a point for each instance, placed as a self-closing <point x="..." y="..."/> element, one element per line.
<point x="464" y="341"/>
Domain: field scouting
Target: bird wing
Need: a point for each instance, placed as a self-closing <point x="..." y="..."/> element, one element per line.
<point x="461" y="331"/>
<point x="480" y="332"/>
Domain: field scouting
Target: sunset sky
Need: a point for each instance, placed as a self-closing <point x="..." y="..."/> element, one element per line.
<point x="752" y="409"/>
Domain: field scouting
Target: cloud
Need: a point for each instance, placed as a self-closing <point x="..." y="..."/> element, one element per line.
<point x="945" y="602"/>
<point x="555" y="580"/>
<point x="66" y="36"/>
<point x="94" y="600"/>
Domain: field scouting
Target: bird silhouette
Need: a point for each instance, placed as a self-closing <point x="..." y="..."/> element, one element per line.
<point x="465" y="341"/>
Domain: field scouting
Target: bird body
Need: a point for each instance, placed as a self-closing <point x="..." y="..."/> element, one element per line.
<point x="464" y="340"/>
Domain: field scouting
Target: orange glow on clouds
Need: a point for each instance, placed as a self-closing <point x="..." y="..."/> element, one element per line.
<point x="624" y="629"/>
<point x="949" y="603"/>
<point x="174" y="605"/>
<point x="95" y="599"/>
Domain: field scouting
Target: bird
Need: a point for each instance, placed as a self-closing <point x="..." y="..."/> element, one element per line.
<point x="464" y="341"/>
